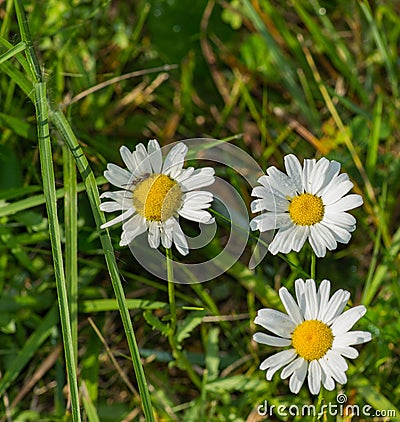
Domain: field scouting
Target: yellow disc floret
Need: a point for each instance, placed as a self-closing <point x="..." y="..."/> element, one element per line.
<point x="306" y="209"/>
<point x="157" y="197"/>
<point x="312" y="339"/>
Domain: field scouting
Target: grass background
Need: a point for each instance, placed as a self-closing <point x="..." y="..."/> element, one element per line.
<point x="310" y="78"/>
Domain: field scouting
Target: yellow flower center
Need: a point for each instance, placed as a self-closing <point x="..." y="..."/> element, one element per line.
<point x="312" y="339"/>
<point x="157" y="198"/>
<point x="306" y="209"/>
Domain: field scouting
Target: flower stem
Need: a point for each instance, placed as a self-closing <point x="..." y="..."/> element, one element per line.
<point x="171" y="290"/>
<point x="313" y="265"/>
<point x="318" y="406"/>
<point x="180" y="357"/>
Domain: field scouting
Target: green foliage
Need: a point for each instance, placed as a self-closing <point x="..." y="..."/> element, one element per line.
<point x="310" y="78"/>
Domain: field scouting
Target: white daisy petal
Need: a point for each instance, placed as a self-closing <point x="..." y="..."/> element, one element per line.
<point x="293" y="366"/>
<point x="142" y="162"/>
<point x="318" y="173"/>
<point x="258" y="205"/>
<point x="184" y="174"/>
<point x="174" y="161"/>
<point x="280" y="182"/>
<point x="179" y="238"/>
<point x="155" y="155"/>
<point x="200" y="178"/>
<point x="337" y="191"/>
<point x="308" y="167"/>
<point x="278" y="360"/>
<point x="328" y="382"/>
<point x="284" y="239"/>
<point x="122" y="196"/>
<point x="340" y="234"/>
<point x="331" y="177"/>
<point x="347" y="352"/>
<point x="299" y="285"/>
<point x="196" y="199"/>
<point x="335" y="306"/>
<point x="275" y="362"/>
<point x="317" y="241"/>
<point x="311" y="311"/>
<point x="327" y="379"/>
<point x="323" y="298"/>
<point x="200" y="216"/>
<point x="336" y="365"/>
<point x="336" y="361"/>
<point x="133" y="222"/>
<point x="117" y="176"/>
<point x="270" y="340"/>
<point x="269" y="221"/>
<point x="276" y="322"/>
<point x="132" y="228"/>
<point x="167" y="233"/>
<point x="297" y="379"/>
<point x="345" y="322"/>
<point x="294" y="171"/>
<point x="352" y="338"/>
<point x="124" y="216"/>
<point x="342" y="219"/>
<point x="271" y="191"/>
<point x="154" y="235"/>
<point x="127" y="158"/>
<point x="314" y="377"/>
<point x="300" y="235"/>
<point x="111" y="206"/>
<point x="346" y="203"/>
<point x="325" y="234"/>
<point x="290" y="305"/>
<point x="268" y="200"/>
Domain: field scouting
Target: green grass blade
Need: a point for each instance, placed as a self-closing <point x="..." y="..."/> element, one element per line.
<point x="18" y="77"/>
<point x="71" y="242"/>
<point x="12" y="52"/>
<point x="33" y="62"/>
<point x="46" y="161"/>
<point x="104" y="305"/>
<point x="89" y="180"/>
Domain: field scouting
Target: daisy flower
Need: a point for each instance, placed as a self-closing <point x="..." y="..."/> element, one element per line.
<point x="317" y="332"/>
<point x="154" y="193"/>
<point x="306" y="203"/>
